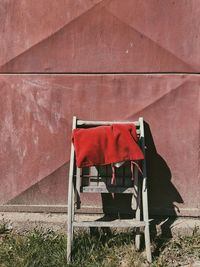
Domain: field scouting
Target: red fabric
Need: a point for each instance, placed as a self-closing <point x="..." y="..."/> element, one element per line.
<point x="106" y="144"/>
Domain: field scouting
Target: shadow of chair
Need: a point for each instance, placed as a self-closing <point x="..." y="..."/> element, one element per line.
<point x="162" y="195"/>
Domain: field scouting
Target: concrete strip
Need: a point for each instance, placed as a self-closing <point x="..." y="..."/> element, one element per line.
<point x="20" y="222"/>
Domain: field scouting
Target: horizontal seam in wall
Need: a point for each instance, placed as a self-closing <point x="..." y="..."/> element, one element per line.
<point x="99" y="73"/>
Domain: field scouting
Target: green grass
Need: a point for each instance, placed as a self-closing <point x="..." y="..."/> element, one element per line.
<point x="45" y="248"/>
<point x="34" y="249"/>
<point x="106" y="249"/>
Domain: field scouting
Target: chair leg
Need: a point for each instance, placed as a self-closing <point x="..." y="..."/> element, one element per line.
<point x="70" y="227"/>
<point x="71" y="200"/>
<point x="146" y="219"/>
<point x="138" y="210"/>
<point x="147" y="243"/>
<point x="137" y="239"/>
<point x="78" y="186"/>
<point x="70" y="230"/>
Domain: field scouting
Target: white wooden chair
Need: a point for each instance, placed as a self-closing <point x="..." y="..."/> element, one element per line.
<point x="94" y="182"/>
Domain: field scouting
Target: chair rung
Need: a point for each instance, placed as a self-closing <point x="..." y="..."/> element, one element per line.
<point x="98" y="123"/>
<point x="116" y="223"/>
<point x="108" y="189"/>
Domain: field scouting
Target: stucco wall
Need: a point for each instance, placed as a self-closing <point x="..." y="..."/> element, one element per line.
<point x="99" y="60"/>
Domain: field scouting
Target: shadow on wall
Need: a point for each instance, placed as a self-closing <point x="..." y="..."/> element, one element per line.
<point x="162" y="192"/>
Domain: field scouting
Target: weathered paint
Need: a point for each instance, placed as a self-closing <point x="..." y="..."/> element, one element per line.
<point x="36" y="113"/>
<point x="100" y="36"/>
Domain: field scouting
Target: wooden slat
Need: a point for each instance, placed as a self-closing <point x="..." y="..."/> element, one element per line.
<point x="116" y="223"/>
<point x="108" y="189"/>
<point x="93" y="173"/>
<point x="98" y="123"/>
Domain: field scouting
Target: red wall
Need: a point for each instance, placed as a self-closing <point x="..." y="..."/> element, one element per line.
<point x="93" y="60"/>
